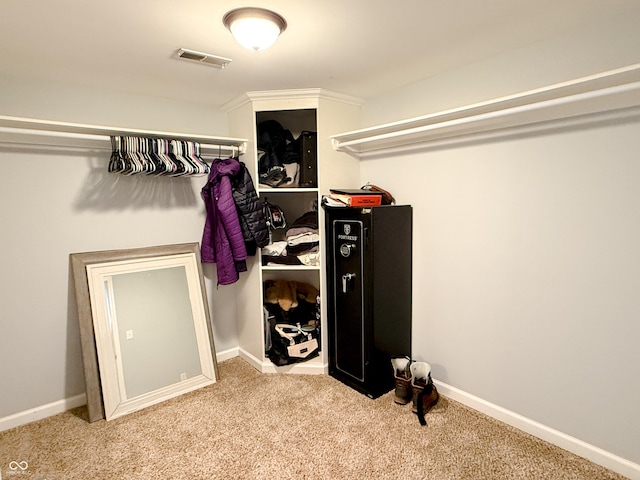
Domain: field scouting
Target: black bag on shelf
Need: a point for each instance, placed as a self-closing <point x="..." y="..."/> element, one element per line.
<point x="300" y="344"/>
<point x="293" y="335"/>
<point x="273" y="215"/>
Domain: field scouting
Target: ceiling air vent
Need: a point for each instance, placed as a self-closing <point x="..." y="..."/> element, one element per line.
<point x="207" y="59"/>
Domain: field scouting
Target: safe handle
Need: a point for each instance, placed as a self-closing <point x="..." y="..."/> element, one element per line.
<point x="345" y="280"/>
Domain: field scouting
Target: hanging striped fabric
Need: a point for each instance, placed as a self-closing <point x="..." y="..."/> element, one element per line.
<point x="156" y="156"/>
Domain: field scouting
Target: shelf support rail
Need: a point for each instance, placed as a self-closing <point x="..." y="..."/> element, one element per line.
<point x="605" y="92"/>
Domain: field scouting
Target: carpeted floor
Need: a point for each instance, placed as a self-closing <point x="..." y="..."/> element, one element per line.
<point x="255" y="426"/>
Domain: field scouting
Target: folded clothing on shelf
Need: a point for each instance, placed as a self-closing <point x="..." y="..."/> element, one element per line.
<point x="301" y="245"/>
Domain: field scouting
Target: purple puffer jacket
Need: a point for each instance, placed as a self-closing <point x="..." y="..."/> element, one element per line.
<point x="222" y="240"/>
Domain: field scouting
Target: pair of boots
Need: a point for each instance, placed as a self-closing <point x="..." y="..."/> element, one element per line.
<point x="413" y="383"/>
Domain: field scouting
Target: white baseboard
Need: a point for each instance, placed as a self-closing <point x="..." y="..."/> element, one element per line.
<point x="573" y="445"/>
<point x="54" y="408"/>
<point x="43" y="411"/>
<point x="250" y="359"/>
<point x="227" y="354"/>
<point x="311" y="367"/>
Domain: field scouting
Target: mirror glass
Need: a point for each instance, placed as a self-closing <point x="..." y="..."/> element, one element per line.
<point x="152" y="339"/>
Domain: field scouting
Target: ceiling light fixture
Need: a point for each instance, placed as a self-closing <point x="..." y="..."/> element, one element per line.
<point x="254" y="28"/>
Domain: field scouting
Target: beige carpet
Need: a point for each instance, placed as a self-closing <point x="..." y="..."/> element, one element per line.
<point x="255" y="426"/>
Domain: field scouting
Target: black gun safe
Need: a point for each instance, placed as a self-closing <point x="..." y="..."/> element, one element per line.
<point x="369" y="261"/>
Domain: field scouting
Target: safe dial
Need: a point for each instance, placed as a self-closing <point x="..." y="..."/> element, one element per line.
<point x="346" y="249"/>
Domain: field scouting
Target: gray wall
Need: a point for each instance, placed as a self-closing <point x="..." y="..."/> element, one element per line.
<point x="526" y="269"/>
<point x="526" y="263"/>
<point x="54" y="202"/>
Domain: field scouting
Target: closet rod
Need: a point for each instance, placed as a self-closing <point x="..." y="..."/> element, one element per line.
<point x="596" y="94"/>
<point x="17" y="130"/>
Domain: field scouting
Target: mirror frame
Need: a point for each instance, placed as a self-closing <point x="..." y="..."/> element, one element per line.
<point x="86" y="318"/>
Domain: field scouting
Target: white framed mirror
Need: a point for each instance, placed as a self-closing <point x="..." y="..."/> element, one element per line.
<point x="144" y="326"/>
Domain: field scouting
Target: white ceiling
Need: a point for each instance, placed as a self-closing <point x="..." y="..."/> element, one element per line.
<point x="358" y="47"/>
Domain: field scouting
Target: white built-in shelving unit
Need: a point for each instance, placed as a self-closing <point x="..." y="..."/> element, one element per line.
<point x="316" y="110"/>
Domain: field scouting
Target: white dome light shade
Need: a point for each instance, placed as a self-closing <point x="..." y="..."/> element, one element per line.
<point x="255" y="33"/>
<point x="254" y="28"/>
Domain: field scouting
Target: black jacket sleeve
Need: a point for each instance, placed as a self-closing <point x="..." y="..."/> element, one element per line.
<point x="252" y="220"/>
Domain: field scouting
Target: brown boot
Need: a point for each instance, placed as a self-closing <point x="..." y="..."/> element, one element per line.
<point x="402" y="377"/>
